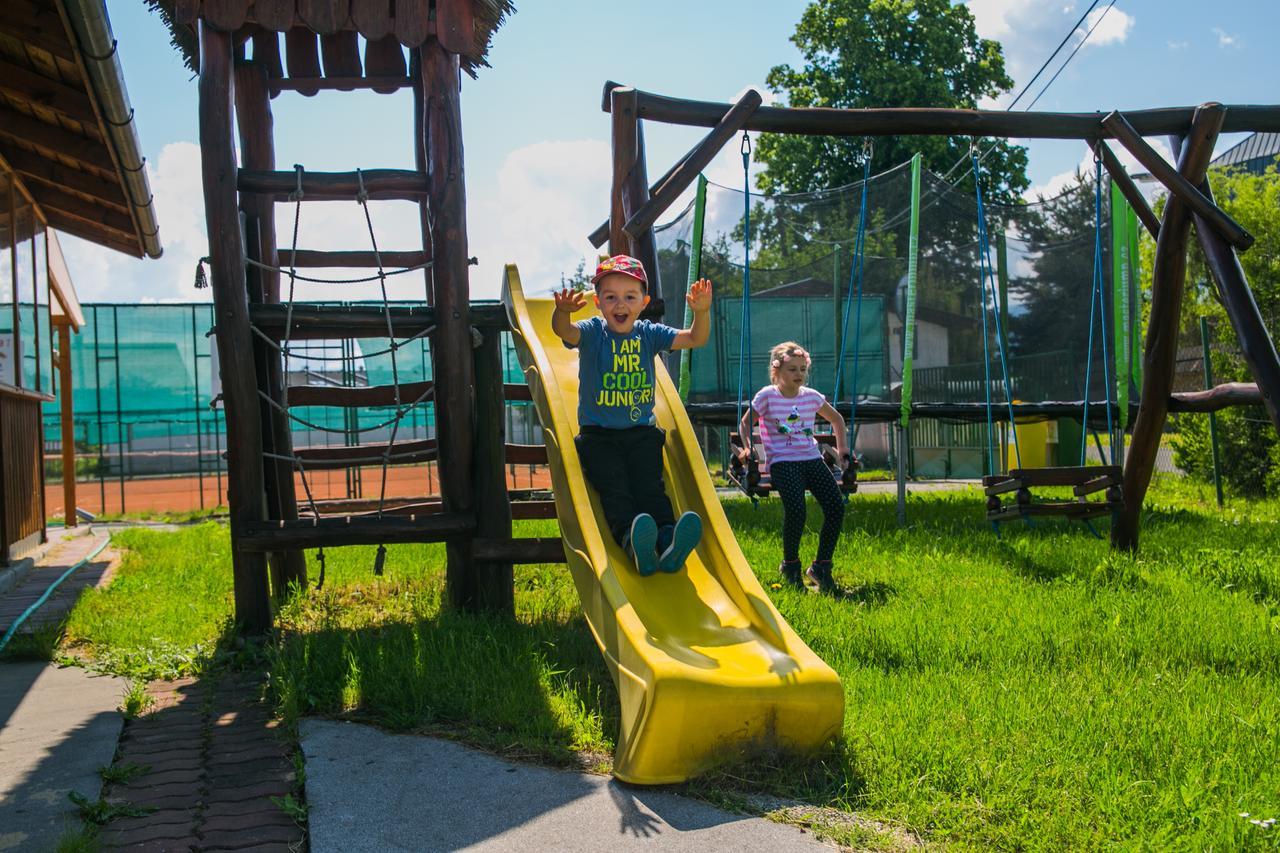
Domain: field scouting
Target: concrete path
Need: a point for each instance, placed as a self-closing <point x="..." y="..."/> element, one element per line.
<point x="57" y="727"/>
<point x="369" y="790"/>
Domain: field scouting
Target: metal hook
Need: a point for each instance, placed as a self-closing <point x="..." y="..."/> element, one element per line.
<point x="362" y="194"/>
<point x="297" y="194"/>
<point x="746" y="145"/>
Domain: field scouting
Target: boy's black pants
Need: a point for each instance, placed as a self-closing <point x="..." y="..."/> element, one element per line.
<point x="625" y="467"/>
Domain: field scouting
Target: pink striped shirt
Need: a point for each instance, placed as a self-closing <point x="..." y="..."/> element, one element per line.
<point x="786" y="423"/>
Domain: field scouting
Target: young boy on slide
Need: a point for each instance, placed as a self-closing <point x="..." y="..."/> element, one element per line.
<point x="620" y="444"/>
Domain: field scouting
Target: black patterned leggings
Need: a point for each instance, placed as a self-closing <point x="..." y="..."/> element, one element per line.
<point x="790" y="479"/>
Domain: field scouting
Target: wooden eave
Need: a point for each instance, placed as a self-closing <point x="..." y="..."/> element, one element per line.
<point x="68" y="311"/>
<point x="54" y="136"/>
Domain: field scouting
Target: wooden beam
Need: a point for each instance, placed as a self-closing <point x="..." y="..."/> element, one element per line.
<point x="34" y="167"/>
<point x="341" y="54"/>
<point x="52" y="197"/>
<point x="328" y="457"/>
<point x="601" y="234"/>
<point x="312" y="258"/>
<point x="451" y="344"/>
<point x="928" y="121"/>
<point x="68" y="427"/>
<point x="37" y="26"/>
<point x="1130" y="190"/>
<point x="302" y="59"/>
<point x="1256" y="344"/>
<point x="354" y="530"/>
<point x="257" y="145"/>
<point x="93" y="232"/>
<point x="623" y="147"/>
<point x="320" y="322"/>
<point x="424" y="505"/>
<point x="335" y="186"/>
<point x="384" y="64"/>
<point x="371" y="395"/>
<point x="692" y="164"/>
<point x="383" y="85"/>
<point x="495" y="583"/>
<point x="524" y="551"/>
<point x="89" y="152"/>
<point x="235" y="347"/>
<point x="32" y="87"/>
<point x="1176" y="183"/>
<point x="1216" y="398"/>
<point x="1168" y="277"/>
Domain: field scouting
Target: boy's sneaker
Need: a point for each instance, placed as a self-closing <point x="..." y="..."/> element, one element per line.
<point x="684" y="539"/>
<point x="819" y="572"/>
<point x="642" y="543"/>
<point x="792" y="574"/>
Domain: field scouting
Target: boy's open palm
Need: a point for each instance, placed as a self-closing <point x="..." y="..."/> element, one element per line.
<point x="699" y="296"/>
<point x="569" y="299"/>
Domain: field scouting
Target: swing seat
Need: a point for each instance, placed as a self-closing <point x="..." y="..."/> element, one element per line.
<point x="753" y="481"/>
<point x="1084" y="481"/>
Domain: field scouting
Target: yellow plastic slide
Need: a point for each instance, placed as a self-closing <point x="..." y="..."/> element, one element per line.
<point x="704" y="664"/>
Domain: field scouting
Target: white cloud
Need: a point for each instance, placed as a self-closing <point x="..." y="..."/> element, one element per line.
<point x="1226" y="39"/>
<point x="1059" y="182"/>
<point x="1177" y="45"/>
<point x="1109" y="26"/>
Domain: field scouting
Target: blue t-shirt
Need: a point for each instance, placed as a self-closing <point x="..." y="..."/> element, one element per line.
<point x="615" y="372"/>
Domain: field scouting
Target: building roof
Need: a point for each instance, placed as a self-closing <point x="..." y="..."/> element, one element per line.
<point x="464" y="27"/>
<point x="66" y="127"/>
<point x="1256" y="146"/>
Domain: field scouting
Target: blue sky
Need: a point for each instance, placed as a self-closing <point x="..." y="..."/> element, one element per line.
<point x="537" y="162"/>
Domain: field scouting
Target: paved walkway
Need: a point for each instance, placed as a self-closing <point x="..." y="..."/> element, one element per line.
<point x="65" y="549"/>
<point x="369" y="790"/>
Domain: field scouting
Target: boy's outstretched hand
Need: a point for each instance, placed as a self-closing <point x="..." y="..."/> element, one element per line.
<point x="569" y="300"/>
<point x="699" y="296"/>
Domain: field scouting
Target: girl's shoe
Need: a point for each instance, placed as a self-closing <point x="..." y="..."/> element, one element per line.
<point x="791" y="574"/>
<point x="684" y="539"/>
<point x="641" y="543"/>
<point x="819" y="572"/>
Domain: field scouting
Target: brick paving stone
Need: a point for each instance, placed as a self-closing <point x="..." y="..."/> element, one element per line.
<point x="245" y="809"/>
<point x="161" y="817"/>
<point x="141" y="753"/>
<point x="163" y="733"/>
<point x="262" y="773"/>
<point x="167" y="779"/>
<point x="250" y="835"/>
<point x="245" y="793"/>
<point x="177" y="845"/>
<point x="235" y="753"/>
<point x="248" y="760"/>
<point x="261" y="818"/>
<point x="143" y="834"/>
<point x="159" y="798"/>
<point x="292" y="847"/>
<point x="163" y="762"/>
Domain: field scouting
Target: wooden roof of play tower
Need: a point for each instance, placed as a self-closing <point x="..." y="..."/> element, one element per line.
<point x="464" y="27"/>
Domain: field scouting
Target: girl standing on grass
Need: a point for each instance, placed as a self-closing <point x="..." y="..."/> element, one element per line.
<point x="786" y="410"/>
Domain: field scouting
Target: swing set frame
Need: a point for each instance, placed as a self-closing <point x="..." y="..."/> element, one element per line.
<point x="635" y="205"/>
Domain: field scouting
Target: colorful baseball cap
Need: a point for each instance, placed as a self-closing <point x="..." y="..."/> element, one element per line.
<point x="624" y="264"/>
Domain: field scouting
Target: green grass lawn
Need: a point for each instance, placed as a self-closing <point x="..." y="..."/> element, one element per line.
<point x="1031" y="691"/>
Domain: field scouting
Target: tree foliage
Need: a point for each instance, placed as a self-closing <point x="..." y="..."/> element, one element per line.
<point x="886" y="53"/>
<point x="1248" y="444"/>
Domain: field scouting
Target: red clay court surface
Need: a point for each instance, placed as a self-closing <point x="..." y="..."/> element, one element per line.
<point x="182" y="494"/>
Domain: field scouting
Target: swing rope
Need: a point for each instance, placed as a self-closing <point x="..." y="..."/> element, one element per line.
<point x="855" y="283"/>
<point x="744" y="342"/>
<point x="987" y="273"/>
<point x="1098" y="302"/>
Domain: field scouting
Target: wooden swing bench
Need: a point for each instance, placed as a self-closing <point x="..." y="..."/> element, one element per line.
<point x="754" y="482"/>
<point x="1084" y="481"/>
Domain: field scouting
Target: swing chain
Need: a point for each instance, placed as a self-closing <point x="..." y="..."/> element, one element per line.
<point x="745" y="148"/>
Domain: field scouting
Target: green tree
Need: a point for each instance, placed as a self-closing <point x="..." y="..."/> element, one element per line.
<point x="886" y="53"/>
<point x="1250" y="448"/>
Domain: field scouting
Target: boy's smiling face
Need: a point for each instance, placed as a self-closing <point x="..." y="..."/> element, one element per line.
<point x="620" y="299"/>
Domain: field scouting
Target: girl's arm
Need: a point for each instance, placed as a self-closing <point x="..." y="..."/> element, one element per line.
<point x="744" y="433"/>
<point x="833" y="417"/>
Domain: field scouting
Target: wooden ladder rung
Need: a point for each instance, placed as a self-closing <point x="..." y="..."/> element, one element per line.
<point x="420" y="505"/>
<point x="532" y="550"/>
<point x="337" y="322"/>
<point x="336" y="186"/>
<point x="315" y="258"/>
<point x="352" y="530"/>
<point x="348" y="397"/>
<point x="364" y="455"/>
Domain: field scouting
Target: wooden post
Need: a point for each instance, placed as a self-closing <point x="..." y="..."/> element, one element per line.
<point x="624" y="145"/>
<point x="1168" y="277"/>
<point x="68" y="426"/>
<point x="231" y="312"/>
<point x="452" y="363"/>
<point x="254" y="121"/>
<point x="495" y="582"/>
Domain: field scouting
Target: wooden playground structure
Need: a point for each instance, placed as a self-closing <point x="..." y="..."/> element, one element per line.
<point x="256" y="316"/>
